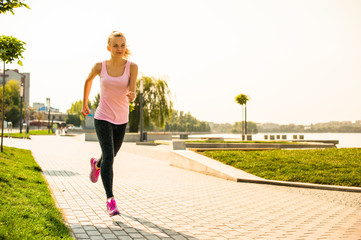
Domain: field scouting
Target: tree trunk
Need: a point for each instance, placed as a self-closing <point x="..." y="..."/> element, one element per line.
<point x="2" y="110"/>
<point x="242" y="123"/>
<point x="245" y="119"/>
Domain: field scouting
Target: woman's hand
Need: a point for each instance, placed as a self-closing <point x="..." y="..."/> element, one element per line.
<point x="131" y="96"/>
<point x="85" y="111"/>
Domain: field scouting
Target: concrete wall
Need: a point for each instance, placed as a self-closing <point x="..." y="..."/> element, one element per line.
<point x="129" y="137"/>
<point x="159" y="136"/>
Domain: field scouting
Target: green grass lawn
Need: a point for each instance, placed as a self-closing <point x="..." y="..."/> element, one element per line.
<point x="32" y="132"/>
<point x="322" y="166"/>
<point x="27" y="209"/>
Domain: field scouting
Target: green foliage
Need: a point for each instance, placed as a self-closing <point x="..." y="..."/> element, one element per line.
<point x="251" y="127"/>
<point x="27" y="209"/>
<point x="73" y="119"/>
<point x="180" y="122"/>
<point x="12" y="101"/>
<point x="9" y="5"/>
<point x="242" y="99"/>
<point x="76" y="108"/>
<point x="157" y="104"/>
<point x="96" y="101"/>
<point x="321" y="166"/>
<point x="75" y="112"/>
<point x="10" y="49"/>
<point x="221" y="127"/>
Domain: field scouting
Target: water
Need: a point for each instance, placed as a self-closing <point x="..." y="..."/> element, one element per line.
<point x="346" y="140"/>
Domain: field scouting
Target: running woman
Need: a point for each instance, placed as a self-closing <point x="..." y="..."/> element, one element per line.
<point x="117" y="88"/>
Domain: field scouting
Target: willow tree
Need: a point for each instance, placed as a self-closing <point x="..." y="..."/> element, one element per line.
<point x="157" y="104"/>
<point x="242" y="99"/>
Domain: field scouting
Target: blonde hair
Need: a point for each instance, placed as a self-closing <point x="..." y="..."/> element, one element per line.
<point x="119" y="34"/>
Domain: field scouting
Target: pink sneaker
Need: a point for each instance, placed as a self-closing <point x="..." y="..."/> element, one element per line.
<point x="112" y="207"/>
<point x="94" y="173"/>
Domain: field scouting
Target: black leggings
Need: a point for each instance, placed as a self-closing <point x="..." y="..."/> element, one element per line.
<point x="110" y="138"/>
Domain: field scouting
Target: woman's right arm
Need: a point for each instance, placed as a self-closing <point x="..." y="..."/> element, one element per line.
<point x="88" y="85"/>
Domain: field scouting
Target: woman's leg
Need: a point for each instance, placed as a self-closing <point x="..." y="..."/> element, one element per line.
<point x="118" y="136"/>
<point x="104" y="132"/>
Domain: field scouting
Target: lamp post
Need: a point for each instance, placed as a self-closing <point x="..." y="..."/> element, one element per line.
<point x="141" y="109"/>
<point x="48" y="104"/>
<point x="21" y="106"/>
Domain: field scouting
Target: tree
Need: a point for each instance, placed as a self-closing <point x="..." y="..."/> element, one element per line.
<point x="10" y="50"/>
<point x="251" y="126"/>
<point x="157" y="104"/>
<point x="76" y="108"/>
<point x="73" y="119"/>
<point x="39" y="116"/>
<point x="96" y="101"/>
<point x="30" y="113"/>
<point x="242" y="100"/>
<point x="74" y="113"/>
<point x="9" y="5"/>
<point x="180" y="122"/>
<point x="12" y="101"/>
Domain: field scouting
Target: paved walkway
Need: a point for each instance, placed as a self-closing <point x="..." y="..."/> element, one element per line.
<point x="158" y="201"/>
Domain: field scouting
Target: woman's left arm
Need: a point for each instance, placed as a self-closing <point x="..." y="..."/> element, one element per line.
<point x="132" y="81"/>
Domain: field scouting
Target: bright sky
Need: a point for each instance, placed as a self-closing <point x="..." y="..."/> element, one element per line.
<point x="299" y="61"/>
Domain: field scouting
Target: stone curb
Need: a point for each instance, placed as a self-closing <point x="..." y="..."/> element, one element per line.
<point x="195" y="162"/>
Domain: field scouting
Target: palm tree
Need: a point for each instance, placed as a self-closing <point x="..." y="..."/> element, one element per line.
<point x="157" y="104"/>
<point x="242" y="100"/>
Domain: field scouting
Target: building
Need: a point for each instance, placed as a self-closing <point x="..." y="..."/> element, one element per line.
<point x="20" y="78"/>
<point x="37" y="106"/>
<point x="55" y="114"/>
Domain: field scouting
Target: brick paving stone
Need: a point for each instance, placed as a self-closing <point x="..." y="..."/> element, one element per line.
<point x="109" y="236"/>
<point x="124" y="237"/>
<point x="78" y="230"/>
<point x="152" y="237"/>
<point x="97" y="238"/>
<point x="81" y="235"/>
<point x="158" y="201"/>
<point x="179" y="237"/>
<point x="93" y="233"/>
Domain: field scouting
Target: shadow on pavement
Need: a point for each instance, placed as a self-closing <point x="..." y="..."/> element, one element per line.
<point x="123" y="230"/>
<point x="155" y="232"/>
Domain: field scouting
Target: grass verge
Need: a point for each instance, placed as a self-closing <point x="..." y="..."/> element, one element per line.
<point x="27" y="135"/>
<point x="321" y="166"/>
<point x="215" y="141"/>
<point x="27" y="209"/>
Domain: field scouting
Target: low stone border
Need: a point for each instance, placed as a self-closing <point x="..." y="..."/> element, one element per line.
<point x="146" y="143"/>
<point x="195" y="162"/>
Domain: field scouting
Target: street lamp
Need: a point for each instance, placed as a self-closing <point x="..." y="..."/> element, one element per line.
<point x="48" y="104"/>
<point x="141" y="109"/>
<point x="21" y="106"/>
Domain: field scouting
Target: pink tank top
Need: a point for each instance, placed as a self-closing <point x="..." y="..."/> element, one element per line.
<point x="114" y="104"/>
